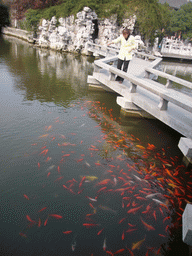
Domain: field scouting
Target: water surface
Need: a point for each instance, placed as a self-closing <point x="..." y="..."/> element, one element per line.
<point x="77" y="177"/>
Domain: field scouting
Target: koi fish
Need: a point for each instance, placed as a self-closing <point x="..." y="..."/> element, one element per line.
<point x="123" y="235"/>
<point x="92" y="199"/>
<point x="39" y="223"/>
<point x="119" y="251"/>
<point x="104" y="245"/>
<point x="38" y="165"/>
<point x="56" y="216"/>
<point x="147" y="226"/>
<point x="90" y="225"/>
<point x="152" y="195"/>
<point x="100" y="231"/>
<point x="60" y="178"/>
<point x="44" y="135"/>
<point x="45" y="223"/>
<point x="42" y="209"/>
<point x="26" y="197"/>
<point x="121" y="220"/>
<point x="22" y="234"/>
<point x="105" y="208"/>
<point x="90" y="178"/>
<point x="50" y="167"/>
<point x="29" y="219"/>
<point x="134" y="210"/>
<point x="101" y="189"/>
<point x="138" y="244"/>
<point x="67" y="232"/>
<point x="48" y="174"/>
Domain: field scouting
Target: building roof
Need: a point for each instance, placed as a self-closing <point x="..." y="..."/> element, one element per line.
<point x="175" y="3"/>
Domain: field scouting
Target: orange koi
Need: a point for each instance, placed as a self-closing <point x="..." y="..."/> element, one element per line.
<point x="147" y="226"/>
<point x="101" y="189"/>
<point x="48" y="174"/>
<point x="154" y="215"/>
<point x="134" y="210"/>
<point x="38" y="165"/>
<point x="90" y="225"/>
<point x="60" y="178"/>
<point x="44" y="135"/>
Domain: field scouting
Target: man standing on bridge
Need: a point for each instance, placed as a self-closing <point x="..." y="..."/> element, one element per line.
<point x="128" y="44"/>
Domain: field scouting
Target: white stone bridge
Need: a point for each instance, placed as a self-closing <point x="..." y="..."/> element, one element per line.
<point x="139" y="93"/>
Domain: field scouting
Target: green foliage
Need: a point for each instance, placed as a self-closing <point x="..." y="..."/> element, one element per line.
<point x="4" y="16"/>
<point x="32" y="19"/>
<point x="181" y="21"/>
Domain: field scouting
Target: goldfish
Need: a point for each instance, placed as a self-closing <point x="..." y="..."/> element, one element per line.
<point x="90" y="178"/>
<point x="119" y="251"/>
<point x="42" y="209"/>
<point x="56" y="216"/>
<point x="92" y="199"/>
<point x="26" y="197"/>
<point x="104" y="245"/>
<point x="90" y="225"/>
<point x="67" y="232"/>
<point x="100" y="231"/>
<point x="138" y="244"/>
<point x="39" y="223"/>
<point x="134" y="210"/>
<point x="44" y="135"/>
<point x="29" y="219"/>
<point x="106" y="208"/>
<point x="45" y="223"/>
<point x="147" y="226"/>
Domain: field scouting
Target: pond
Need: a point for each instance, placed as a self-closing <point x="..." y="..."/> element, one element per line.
<point x="77" y="177"/>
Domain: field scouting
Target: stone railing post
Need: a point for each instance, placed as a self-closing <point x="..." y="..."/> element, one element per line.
<point x="163" y="104"/>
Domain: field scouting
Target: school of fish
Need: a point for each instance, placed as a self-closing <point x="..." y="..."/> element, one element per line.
<point x="140" y="189"/>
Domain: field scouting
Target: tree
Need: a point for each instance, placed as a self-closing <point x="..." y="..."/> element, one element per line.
<point x="181" y="21"/>
<point x="4" y="16"/>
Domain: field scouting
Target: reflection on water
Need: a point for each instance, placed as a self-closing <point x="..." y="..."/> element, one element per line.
<point x="180" y="70"/>
<point x="77" y="178"/>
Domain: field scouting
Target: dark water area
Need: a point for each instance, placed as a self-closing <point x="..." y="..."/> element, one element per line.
<point x="77" y="177"/>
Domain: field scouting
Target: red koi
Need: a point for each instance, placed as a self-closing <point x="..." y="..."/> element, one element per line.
<point x="48" y="174"/>
<point x="123" y="235"/>
<point x="67" y="232"/>
<point x="101" y="189"/>
<point x="22" y="234"/>
<point x="121" y="250"/>
<point x="26" y="197"/>
<point x="56" y="216"/>
<point x="38" y="165"/>
<point x="109" y="252"/>
<point x="100" y="231"/>
<point x="90" y="225"/>
<point x="131" y="230"/>
<point x="81" y="182"/>
<point x="154" y="215"/>
<point x="166" y="218"/>
<point x="39" y="223"/>
<point x="29" y="219"/>
<point x="121" y="220"/>
<point x="42" y="209"/>
<point x="45" y="223"/>
<point x="79" y="160"/>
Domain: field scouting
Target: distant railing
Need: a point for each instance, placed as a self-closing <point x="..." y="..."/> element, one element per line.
<point x="176" y="48"/>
